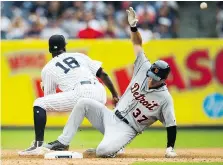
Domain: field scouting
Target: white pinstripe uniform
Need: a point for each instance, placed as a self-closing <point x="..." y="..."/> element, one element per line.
<point x="75" y="75"/>
<point x="140" y="106"/>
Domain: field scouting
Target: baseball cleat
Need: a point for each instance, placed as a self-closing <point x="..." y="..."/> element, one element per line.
<point x="34" y="149"/>
<point x="56" y="146"/>
<point x="170" y="153"/>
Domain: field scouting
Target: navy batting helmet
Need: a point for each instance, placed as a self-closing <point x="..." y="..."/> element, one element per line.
<point x="56" y="43"/>
<point x="159" y="70"/>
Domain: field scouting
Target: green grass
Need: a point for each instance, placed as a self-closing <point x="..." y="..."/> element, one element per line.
<point x="174" y="163"/>
<point x="19" y="139"/>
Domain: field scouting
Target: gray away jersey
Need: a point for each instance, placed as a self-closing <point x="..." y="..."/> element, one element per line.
<point x="142" y="106"/>
<point x="67" y="70"/>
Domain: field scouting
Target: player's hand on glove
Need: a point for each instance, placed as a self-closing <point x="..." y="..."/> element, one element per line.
<point x="132" y="19"/>
<point x="170" y="153"/>
<point x="115" y="100"/>
<point x="41" y="86"/>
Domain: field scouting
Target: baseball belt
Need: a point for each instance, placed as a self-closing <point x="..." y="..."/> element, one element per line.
<point x="119" y="115"/>
<point x="85" y="82"/>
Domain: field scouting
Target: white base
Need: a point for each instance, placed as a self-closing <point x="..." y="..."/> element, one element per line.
<point x="63" y="154"/>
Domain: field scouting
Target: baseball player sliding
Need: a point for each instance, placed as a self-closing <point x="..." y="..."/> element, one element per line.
<point x="75" y="74"/>
<point x="145" y="101"/>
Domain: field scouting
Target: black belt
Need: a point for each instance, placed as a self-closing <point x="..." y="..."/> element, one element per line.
<point x="85" y="82"/>
<point x="119" y="115"/>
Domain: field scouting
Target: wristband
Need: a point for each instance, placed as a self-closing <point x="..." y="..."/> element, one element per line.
<point x="134" y="29"/>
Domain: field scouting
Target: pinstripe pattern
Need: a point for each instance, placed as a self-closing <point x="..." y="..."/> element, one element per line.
<point x="65" y="101"/>
<point x="54" y="76"/>
<point x="61" y="72"/>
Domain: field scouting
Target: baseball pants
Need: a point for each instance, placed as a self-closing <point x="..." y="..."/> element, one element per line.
<point x="65" y="101"/>
<point x="117" y="134"/>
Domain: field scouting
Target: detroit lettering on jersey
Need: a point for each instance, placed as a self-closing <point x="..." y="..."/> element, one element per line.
<point x="141" y="106"/>
<point x="141" y="98"/>
<point x="148" y="107"/>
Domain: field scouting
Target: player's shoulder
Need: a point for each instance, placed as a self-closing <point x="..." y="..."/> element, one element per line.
<point x="47" y="66"/>
<point x="163" y="93"/>
<point x="168" y="97"/>
<point x="77" y="54"/>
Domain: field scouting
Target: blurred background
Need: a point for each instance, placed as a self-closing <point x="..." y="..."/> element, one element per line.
<point x="107" y="19"/>
<point x="181" y="33"/>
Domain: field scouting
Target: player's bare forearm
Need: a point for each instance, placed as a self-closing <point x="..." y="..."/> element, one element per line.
<point x="107" y="81"/>
<point x="136" y="40"/>
<point x="136" y="37"/>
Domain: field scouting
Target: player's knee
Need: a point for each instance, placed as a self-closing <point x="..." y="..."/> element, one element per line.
<point x="39" y="103"/>
<point x="84" y="103"/>
<point x="105" y="151"/>
<point x="39" y="112"/>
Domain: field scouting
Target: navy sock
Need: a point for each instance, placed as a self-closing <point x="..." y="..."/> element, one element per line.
<point x="39" y="122"/>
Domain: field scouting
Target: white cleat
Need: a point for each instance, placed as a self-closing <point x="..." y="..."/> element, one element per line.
<point x="35" y="149"/>
<point x="170" y="153"/>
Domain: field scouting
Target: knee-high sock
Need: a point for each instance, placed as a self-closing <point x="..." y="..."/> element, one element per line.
<point x="39" y="122"/>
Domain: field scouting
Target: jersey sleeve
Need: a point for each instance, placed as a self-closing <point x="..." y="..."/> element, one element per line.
<point x="167" y="113"/>
<point x="140" y="60"/>
<point x="48" y="83"/>
<point x="94" y="66"/>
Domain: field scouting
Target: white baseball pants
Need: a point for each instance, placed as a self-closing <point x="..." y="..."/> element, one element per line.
<point x="65" y="101"/>
<point x="117" y="134"/>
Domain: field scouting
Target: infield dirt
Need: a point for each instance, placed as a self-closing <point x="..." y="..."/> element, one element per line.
<point x="10" y="157"/>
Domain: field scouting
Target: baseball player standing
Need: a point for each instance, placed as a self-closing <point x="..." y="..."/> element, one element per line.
<point x="75" y="74"/>
<point x="145" y="101"/>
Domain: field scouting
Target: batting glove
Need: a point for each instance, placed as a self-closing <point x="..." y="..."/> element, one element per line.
<point x="170" y="153"/>
<point x="132" y="19"/>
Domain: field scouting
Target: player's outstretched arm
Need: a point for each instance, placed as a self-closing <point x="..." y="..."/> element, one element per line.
<point x="135" y="35"/>
<point x="107" y="81"/>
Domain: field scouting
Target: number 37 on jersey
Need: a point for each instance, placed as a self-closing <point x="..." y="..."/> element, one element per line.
<point x="137" y="114"/>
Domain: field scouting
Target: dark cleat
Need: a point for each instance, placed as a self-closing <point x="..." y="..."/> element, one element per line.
<point x="56" y="146"/>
